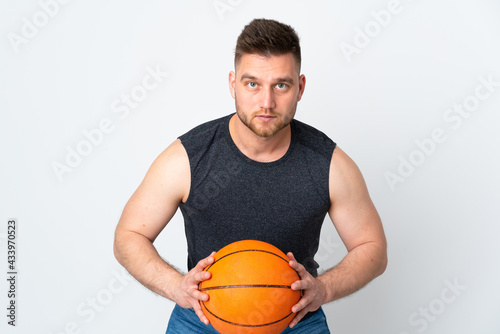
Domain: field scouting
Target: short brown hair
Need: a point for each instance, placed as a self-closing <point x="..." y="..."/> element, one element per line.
<point x="267" y="38"/>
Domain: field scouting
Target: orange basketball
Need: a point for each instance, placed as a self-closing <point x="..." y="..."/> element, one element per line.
<point x="250" y="289"/>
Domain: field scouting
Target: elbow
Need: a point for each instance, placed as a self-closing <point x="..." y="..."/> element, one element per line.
<point x="383" y="264"/>
<point x="116" y="252"/>
<point x="383" y="261"/>
<point x="116" y="248"/>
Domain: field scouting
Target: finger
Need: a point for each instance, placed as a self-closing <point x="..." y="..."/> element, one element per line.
<point x="295" y="264"/>
<point x="304" y="277"/>
<point x="199" y="312"/>
<point x="199" y="296"/>
<point x="298" y="267"/>
<point x="193" y="279"/>
<point x="203" y="263"/>
<point x="301" y="304"/>
<point x="201" y="276"/>
<point x="301" y="285"/>
<point x="297" y="318"/>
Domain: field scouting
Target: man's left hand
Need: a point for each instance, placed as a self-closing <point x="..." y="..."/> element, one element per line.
<point x="313" y="291"/>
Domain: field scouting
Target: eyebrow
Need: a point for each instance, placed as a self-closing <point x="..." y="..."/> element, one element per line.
<point x="251" y="77"/>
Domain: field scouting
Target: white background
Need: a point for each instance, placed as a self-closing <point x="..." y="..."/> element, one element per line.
<point x="66" y="72"/>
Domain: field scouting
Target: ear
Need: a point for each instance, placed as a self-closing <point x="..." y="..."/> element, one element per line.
<point x="232" y="83"/>
<point x="302" y="86"/>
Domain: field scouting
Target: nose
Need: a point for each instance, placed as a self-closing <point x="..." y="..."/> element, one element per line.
<point x="266" y="99"/>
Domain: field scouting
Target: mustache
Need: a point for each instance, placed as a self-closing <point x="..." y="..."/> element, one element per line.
<point x="267" y="112"/>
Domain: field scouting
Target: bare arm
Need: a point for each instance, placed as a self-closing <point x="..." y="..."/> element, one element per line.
<point x="359" y="227"/>
<point x="145" y="215"/>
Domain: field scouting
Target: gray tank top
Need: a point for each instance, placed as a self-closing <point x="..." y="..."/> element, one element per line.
<point x="233" y="198"/>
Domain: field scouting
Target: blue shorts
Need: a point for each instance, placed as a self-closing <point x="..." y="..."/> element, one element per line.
<point x="185" y="321"/>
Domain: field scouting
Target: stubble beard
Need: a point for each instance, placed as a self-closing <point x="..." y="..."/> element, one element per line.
<point x="263" y="130"/>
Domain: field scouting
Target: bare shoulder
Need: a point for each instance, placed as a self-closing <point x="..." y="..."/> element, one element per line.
<point x="157" y="198"/>
<point x="345" y="176"/>
<point x="352" y="210"/>
<point x="170" y="171"/>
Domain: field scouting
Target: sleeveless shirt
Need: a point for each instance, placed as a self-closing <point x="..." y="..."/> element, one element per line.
<point x="234" y="198"/>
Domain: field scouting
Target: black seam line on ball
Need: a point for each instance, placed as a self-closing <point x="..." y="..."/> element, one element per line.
<point x="246" y="250"/>
<point x="236" y="286"/>
<point x="244" y="325"/>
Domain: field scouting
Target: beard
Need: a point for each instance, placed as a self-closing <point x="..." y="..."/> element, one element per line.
<point x="265" y="130"/>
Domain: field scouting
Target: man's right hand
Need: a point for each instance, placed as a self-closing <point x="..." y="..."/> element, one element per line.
<point x="154" y="203"/>
<point x="187" y="294"/>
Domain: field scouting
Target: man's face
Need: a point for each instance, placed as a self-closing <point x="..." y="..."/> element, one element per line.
<point x="266" y="91"/>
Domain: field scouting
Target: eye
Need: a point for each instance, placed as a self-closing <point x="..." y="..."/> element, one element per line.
<point x="281" y="86"/>
<point x="251" y="84"/>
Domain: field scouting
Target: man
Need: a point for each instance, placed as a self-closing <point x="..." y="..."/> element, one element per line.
<point x="256" y="174"/>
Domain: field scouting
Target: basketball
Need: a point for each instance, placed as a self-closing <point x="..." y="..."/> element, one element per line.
<point x="250" y="289"/>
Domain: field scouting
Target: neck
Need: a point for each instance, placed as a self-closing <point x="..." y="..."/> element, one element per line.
<point x="257" y="148"/>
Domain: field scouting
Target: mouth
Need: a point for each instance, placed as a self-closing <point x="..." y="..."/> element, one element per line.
<point x="265" y="118"/>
